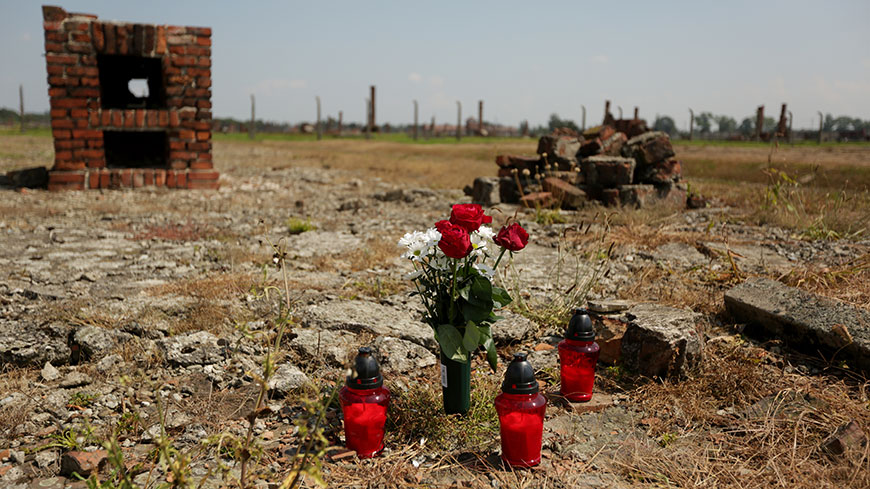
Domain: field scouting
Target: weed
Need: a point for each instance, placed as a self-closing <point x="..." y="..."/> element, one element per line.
<point x="75" y="438"/>
<point x="667" y="439"/>
<point x="82" y="399"/>
<point x="298" y="226"/>
<point x="548" y="217"/>
<point x="571" y="277"/>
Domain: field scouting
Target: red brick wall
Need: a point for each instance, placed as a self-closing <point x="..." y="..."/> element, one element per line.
<point x="72" y="43"/>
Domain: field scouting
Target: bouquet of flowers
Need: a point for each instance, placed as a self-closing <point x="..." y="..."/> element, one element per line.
<point x="454" y="264"/>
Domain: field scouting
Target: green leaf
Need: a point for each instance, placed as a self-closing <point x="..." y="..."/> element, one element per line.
<point x="450" y="340"/>
<point x="478" y="304"/>
<point x="472" y="337"/>
<point x="489" y="345"/>
<point x="475" y="313"/>
<point x="500" y="297"/>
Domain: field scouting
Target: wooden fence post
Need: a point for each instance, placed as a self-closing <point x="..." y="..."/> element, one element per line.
<point x="458" y="120"/>
<point x="251" y="129"/>
<point x="319" y="128"/>
<point x="415" y="120"/>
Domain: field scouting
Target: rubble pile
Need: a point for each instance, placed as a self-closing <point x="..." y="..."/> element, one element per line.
<point x="618" y="163"/>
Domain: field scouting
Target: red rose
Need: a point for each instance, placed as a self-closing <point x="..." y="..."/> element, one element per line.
<point x="455" y="241"/>
<point x="469" y="216"/>
<point x="513" y="237"/>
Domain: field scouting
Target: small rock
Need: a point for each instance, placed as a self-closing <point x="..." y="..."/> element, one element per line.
<point x="45" y="458"/>
<point x="287" y="378"/>
<point x="75" y="379"/>
<point x="82" y="463"/>
<point x="49" y="373"/>
<point x="847" y="437"/>
<point x="95" y="341"/>
<point x="110" y="364"/>
<point x="50" y="483"/>
<point x="199" y="348"/>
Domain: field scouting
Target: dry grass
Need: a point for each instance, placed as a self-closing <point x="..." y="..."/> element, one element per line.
<point x="213" y="287"/>
<point x="849" y="281"/>
<point x="774" y="443"/>
<point x="15" y="414"/>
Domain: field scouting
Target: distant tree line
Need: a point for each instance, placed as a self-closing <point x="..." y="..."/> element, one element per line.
<point x="10" y="117"/>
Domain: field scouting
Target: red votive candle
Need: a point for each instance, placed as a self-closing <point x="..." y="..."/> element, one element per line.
<point x="520" y="409"/>
<point x="364" y="403"/>
<point x="578" y="356"/>
<point x="365" y="413"/>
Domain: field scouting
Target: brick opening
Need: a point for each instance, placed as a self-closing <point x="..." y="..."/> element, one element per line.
<point x="139" y="149"/>
<point x="116" y="74"/>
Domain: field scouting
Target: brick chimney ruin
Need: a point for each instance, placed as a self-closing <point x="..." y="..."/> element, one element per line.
<point x="130" y="103"/>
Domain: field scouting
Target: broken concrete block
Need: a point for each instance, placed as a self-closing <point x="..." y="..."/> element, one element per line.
<point x="538" y="200"/>
<point x="649" y="148"/>
<point x="609" y="332"/>
<point x="601" y="132"/>
<point x="631" y="127"/>
<point x="560" y="150"/>
<point x="847" y="437"/>
<point x="508" y="193"/>
<point x="608" y="306"/>
<point x="570" y="177"/>
<point x="569" y="196"/>
<point x="590" y="147"/>
<point x="485" y="191"/>
<point x="802" y="318"/>
<point x="532" y="163"/>
<point x="612" y="146"/>
<point x="663" y="172"/>
<point x="608" y="171"/>
<point x="609" y="197"/>
<point x="673" y="194"/>
<point x="661" y="341"/>
<point x="637" y="196"/>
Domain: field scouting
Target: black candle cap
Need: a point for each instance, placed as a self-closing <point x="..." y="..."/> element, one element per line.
<point x="520" y="376"/>
<point x="366" y="371"/>
<point x="580" y="327"/>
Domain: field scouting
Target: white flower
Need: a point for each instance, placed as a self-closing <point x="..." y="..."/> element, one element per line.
<point x="485" y="232"/>
<point x="440" y="262"/>
<point x="484" y="270"/>
<point x="419" y="245"/>
<point x="413" y="275"/>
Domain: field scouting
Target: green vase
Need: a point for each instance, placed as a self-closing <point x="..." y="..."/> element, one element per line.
<point x="455" y="385"/>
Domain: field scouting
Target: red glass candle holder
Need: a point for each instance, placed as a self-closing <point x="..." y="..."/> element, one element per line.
<point x="578" y="356"/>
<point x="520" y="409"/>
<point x="521" y="425"/>
<point x="364" y="403"/>
<point x="577" y="361"/>
<point x="365" y="413"/>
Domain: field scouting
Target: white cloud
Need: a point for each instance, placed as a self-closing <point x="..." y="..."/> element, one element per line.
<point x="415" y="77"/>
<point x="600" y="59"/>
<point x="25" y="37"/>
<point x="436" y="81"/>
<point x="298" y="84"/>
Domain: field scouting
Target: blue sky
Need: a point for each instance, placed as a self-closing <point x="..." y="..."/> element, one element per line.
<point x="524" y="60"/>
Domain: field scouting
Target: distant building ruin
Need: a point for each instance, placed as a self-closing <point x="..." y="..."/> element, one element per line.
<point x="130" y="103"/>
